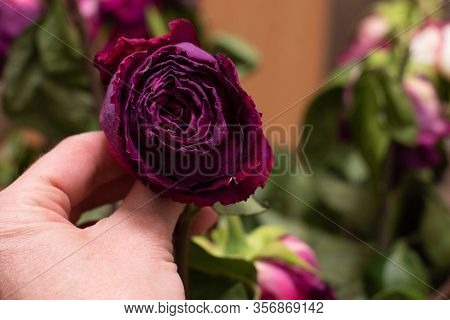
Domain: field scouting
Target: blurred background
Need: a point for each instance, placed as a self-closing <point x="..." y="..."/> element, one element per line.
<point x="299" y="42"/>
<point x="293" y="43"/>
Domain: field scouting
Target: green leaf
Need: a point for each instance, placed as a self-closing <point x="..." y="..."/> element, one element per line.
<point x="58" y="43"/>
<point x="400" y="14"/>
<point x="435" y="231"/>
<point x="368" y="121"/>
<point x="354" y="203"/>
<point x="46" y="81"/>
<point x="399" y="111"/>
<point x="348" y="164"/>
<point x="244" y="55"/>
<point x="235" y="269"/>
<point x="156" y="21"/>
<point x="234" y="241"/>
<point x="230" y="241"/>
<point x="287" y="173"/>
<point x="323" y="118"/>
<point x="400" y="293"/>
<point x="211" y="287"/>
<point x="405" y="269"/>
<point x="379" y="60"/>
<point x="342" y="262"/>
<point x="292" y="225"/>
<point x="95" y="215"/>
<point x="263" y="235"/>
<point x="244" y="208"/>
<point x="264" y="242"/>
<point x="236" y="292"/>
<point x="341" y="77"/>
<point x="18" y="150"/>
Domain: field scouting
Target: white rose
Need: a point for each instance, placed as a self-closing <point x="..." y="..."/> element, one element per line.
<point x="431" y="47"/>
<point x="444" y="57"/>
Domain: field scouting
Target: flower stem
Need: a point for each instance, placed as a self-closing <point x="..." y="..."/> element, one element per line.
<point x="387" y="223"/>
<point x="181" y="238"/>
<point x="77" y="20"/>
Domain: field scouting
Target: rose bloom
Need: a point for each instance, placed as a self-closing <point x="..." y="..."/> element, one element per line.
<point x="177" y="118"/>
<point x="281" y="281"/>
<point x="432" y="123"/>
<point x="15" y="17"/>
<point x="371" y="34"/>
<point x="430" y="46"/>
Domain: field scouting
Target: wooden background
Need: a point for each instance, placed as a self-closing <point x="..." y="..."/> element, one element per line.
<point x="298" y="40"/>
<point x="290" y="35"/>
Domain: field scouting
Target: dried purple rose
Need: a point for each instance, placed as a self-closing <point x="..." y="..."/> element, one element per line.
<point x="177" y="117"/>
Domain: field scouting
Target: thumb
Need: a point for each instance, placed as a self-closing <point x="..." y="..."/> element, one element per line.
<point x="147" y="215"/>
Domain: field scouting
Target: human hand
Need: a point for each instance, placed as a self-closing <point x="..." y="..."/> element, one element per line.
<point x="128" y="255"/>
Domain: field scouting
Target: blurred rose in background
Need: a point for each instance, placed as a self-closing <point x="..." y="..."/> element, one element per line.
<point x="15" y="17"/>
<point x="281" y="281"/>
<point x="430" y="46"/>
<point x="371" y="35"/>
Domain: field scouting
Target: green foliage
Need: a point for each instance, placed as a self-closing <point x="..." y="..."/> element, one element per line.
<point x="381" y="114"/>
<point x="368" y="121"/>
<point x="400" y="275"/>
<point x="399" y="111"/>
<point x="354" y="204"/>
<point x="404" y="268"/>
<point x="233" y="268"/>
<point x="287" y="173"/>
<point x="249" y="207"/>
<point x="46" y="85"/>
<point x="435" y="231"/>
<point x="404" y="14"/>
<point x="230" y="253"/>
<point x="156" y="21"/>
<point x="94" y="215"/>
<point x="212" y="287"/>
<point x="233" y="278"/>
<point x="343" y="261"/>
<point x="231" y="240"/>
<point x="17" y="151"/>
<point x="323" y="117"/>
<point x="244" y="55"/>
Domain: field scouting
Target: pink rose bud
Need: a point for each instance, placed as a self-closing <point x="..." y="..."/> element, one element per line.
<point x="433" y="125"/>
<point x="371" y="34"/>
<point x="123" y="17"/>
<point x="428" y="110"/>
<point x="90" y="11"/>
<point x="280" y="281"/>
<point x="15" y="17"/>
